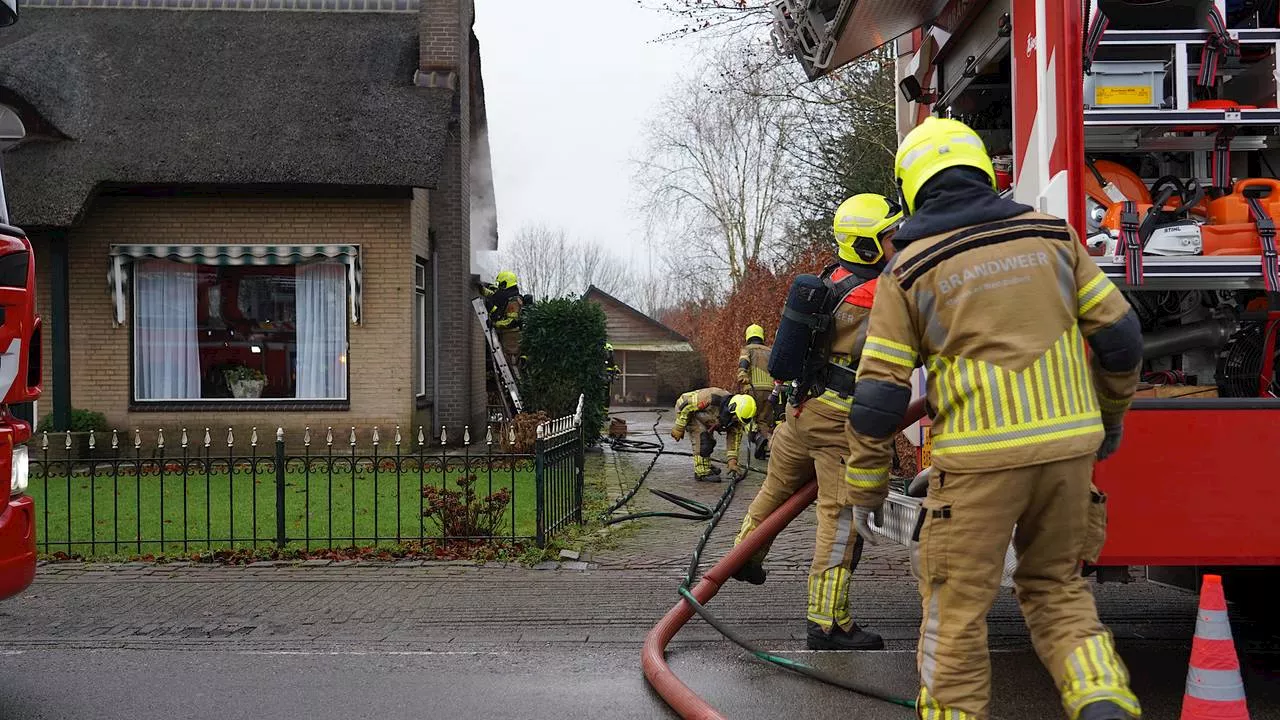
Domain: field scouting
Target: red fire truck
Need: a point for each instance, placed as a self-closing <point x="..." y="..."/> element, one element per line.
<point x="1152" y="126"/>
<point x="19" y="374"/>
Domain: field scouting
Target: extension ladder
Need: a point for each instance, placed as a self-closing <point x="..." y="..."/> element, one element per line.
<point x="501" y="369"/>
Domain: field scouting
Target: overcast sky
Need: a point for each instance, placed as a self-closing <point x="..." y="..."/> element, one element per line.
<point x="569" y="86"/>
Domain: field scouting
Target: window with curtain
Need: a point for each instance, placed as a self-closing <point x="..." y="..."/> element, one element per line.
<point x="240" y="332"/>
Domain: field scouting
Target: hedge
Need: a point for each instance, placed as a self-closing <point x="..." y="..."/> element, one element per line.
<point x="563" y="342"/>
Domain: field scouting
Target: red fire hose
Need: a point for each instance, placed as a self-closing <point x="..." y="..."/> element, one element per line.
<point x="678" y="695"/>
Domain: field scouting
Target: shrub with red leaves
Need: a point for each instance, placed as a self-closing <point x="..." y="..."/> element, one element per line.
<point x="461" y="513"/>
<point x="715" y="329"/>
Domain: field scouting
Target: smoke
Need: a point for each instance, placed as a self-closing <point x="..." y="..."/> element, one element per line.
<point x="484" y="209"/>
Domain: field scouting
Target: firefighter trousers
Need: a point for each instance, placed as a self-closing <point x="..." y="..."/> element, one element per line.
<point x="810" y="445"/>
<point x="964" y="529"/>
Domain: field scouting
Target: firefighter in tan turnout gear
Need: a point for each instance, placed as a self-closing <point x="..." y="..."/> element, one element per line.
<point x="998" y="302"/>
<point x="753" y="376"/>
<point x="814" y="442"/>
<point x="708" y="411"/>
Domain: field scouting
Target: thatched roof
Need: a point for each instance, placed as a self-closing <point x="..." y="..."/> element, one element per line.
<point x="145" y="97"/>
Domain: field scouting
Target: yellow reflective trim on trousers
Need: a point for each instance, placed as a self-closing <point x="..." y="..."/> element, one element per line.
<point x="929" y="708"/>
<point x="1094" y="672"/>
<point x="866" y="478"/>
<point x="829" y="598"/>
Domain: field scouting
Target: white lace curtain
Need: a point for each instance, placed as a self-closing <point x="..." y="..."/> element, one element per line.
<point x="322" y="331"/>
<point x="166" y="351"/>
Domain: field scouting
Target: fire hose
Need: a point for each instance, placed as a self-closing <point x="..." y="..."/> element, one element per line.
<point x="678" y="695"/>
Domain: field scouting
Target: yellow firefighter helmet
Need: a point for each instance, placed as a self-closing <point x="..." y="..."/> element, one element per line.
<point x="755" y="332"/>
<point x="506" y="279"/>
<point x="933" y="146"/>
<point x="862" y="225"/>
<point x="744" y="406"/>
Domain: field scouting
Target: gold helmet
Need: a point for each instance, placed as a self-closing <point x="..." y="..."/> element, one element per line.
<point x="862" y="225"/>
<point x="933" y="146"/>
<point x="755" y="332"/>
<point x="744" y="406"/>
<point x="506" y="279"/>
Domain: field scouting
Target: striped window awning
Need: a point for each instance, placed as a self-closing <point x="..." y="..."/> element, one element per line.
<point x="121" y="255"/>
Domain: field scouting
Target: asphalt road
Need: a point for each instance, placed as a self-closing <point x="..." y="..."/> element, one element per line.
<point x="68" y="684"/>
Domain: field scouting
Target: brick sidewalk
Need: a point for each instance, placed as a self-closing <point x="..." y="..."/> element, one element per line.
<point x="459" y="607"/>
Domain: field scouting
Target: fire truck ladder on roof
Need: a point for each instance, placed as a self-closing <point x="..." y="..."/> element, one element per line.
<point x="501" y="369"/>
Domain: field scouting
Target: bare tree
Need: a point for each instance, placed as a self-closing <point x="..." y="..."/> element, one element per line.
<point x="551" y="264"/>
<point x="717" y="174"/>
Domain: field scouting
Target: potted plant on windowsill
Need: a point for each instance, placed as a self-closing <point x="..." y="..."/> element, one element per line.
<point x="245" y="382"/>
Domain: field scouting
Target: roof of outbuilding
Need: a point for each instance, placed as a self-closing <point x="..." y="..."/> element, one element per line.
<point x="238" y="98"/>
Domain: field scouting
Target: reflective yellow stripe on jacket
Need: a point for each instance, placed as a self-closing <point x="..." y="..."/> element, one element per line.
<point x="889" y="351"/>
<point x="1093" y="292"/>
<point x="983" y="407"/>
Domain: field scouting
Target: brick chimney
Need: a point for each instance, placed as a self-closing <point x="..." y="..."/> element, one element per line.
<point x="444" y="63"/>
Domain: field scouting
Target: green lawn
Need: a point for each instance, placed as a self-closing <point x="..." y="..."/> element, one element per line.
<point x="115" y="514"/>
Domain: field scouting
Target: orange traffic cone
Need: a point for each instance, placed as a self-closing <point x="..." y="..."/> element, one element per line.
<point x="1214" y="689"/>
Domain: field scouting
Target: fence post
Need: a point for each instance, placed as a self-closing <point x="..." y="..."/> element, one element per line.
<point x="539" y="478"/>
<point x="579" y="474"/>
<point x="281" y="540"/>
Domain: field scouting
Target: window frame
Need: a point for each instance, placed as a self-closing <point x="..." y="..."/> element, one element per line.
<point x="419" y="332"/>
<point x="137" y="404"/>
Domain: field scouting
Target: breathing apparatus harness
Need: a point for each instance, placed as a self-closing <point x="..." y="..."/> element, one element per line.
<point x="802" y="350"/>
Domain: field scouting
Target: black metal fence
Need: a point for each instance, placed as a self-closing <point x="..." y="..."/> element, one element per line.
<point x="126" y="497"/>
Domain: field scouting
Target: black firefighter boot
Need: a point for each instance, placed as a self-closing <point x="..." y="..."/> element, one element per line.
<point x="855" y="638"/>
<point x="1104" y="710"/>
<point x="752" y="572"/>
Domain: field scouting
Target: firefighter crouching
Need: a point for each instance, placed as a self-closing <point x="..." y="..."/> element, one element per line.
<point x="998" y="301"/>
<point x="708" y="411"/>
<point x="754" y="378"/>
<point x="814" y="442"/>
<point x="504" y="302"/>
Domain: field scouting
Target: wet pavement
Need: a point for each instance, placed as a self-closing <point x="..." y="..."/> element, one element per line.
<point x="455" y="640"/>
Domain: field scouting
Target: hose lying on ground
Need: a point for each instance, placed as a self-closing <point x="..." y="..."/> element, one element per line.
<point x="678" y="695"/>
<point x="697" y="511"/>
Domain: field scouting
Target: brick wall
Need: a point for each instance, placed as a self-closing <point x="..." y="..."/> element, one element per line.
<point x="380" y="388"/>
<point x="444" y="43"/>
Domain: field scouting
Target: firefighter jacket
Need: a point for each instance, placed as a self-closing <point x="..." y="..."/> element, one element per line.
<point x="998" y="313"/>
<point x="611" y="369"/>
<point x="704" y="410"/>
<point x="753" y="367"/>
<point x="504" y="305"/>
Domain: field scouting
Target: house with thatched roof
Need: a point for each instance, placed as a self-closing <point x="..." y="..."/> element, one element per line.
<point x="253" y="212"/>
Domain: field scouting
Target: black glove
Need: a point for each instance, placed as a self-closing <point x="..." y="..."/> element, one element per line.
<point x="1110" y="441"/>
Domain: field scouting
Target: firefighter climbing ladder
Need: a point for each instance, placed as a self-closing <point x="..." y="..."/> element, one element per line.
<point x="501" y="370"/>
